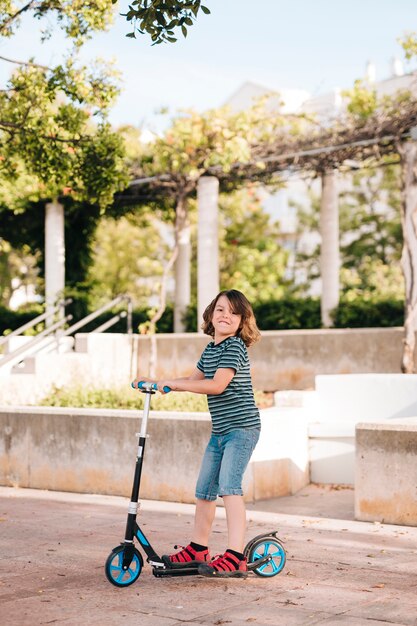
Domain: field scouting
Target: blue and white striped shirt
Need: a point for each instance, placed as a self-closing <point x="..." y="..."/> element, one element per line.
<point x="235" y="407"/>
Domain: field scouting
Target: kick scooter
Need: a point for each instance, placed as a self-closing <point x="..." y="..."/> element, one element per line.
<point x="265" y="553"/>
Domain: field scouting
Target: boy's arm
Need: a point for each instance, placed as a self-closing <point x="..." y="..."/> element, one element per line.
<point x="195" y="375"/>
<point x="196" y="383"/>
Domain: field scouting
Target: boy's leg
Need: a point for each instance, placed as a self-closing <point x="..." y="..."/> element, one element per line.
<point x="196" y="552"/>
<point x="203" y="521"/>
<point x="236" y="521"/>
<point x="239" y="445"/>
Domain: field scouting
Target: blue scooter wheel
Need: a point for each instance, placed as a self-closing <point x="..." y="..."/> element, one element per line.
<point x="115" y="572"/>
<point x="267" y="546"/>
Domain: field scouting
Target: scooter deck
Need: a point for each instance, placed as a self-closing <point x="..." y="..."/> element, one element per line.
<point x="161" y="572"/>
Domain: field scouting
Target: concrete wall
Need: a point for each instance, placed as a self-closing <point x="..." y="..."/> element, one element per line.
<point x="288" y="359"/>
<point x="281" y="360"/>
<point x="93" y="451"/>
<point x="386" y="472"/>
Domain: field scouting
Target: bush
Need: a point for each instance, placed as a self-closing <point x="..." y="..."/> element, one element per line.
<point x="369" y="314"/>
<point x="283" y="314"/>
<point x="10" y="320"/>
<point x="128" y="398"/>
<point x="288" y="314"/>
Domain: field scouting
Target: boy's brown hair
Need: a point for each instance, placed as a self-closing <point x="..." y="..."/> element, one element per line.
<point x="248" y="330"/>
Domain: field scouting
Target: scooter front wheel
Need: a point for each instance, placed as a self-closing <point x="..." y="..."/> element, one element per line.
<point x="114" y="567"/>
<point x="267" y="547"/>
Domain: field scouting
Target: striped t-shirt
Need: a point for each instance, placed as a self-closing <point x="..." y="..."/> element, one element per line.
<point x="235" y="407"/>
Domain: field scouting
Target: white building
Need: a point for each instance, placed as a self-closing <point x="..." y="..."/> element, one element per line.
<point x="326" y="107"/>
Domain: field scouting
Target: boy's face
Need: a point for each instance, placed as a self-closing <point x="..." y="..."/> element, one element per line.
<point x="225" y="322"/>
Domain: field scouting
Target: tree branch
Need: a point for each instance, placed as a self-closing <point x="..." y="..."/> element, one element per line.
<point x="11" y="18"/>
<point x="12" y="126"/>
<point x="25" y="63"/>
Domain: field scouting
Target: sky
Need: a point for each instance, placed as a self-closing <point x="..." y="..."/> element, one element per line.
<point x="312" y="45"/>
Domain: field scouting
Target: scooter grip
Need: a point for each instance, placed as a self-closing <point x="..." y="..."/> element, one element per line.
<point x="141" y="384"/>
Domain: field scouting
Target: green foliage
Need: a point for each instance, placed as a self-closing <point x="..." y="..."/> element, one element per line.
<point x="248" y="248"/>
<point x="77" y="18"/>
<point x="10" y="320"/>
<point x="18" y="269"/>
<point x="370" y="235"/>
<point x="55" y="142"/>
<point x="282" y="314"/>
<point x="127" y="398"/>
<point x="288" y="314"/>
<point x="291" y="313"/>
<point x="54" y="138"/>
<point x="372" y="279"/>
<point x="369" y="313"/>
<point x="218" y="138"/>
<point x="160" y="18"/>
<point x="139" y="316"/>
<point x="50" y="142"/>
<point x="363" y="101"/>
<point x="128" y="258"/>
<point x="285" y="314"/>
<point x="251" y="258"/>
<point x="409" y="44"/>
<point x="370" y="216"/>
<point x="25" y="231"/>
<point x="122" y="398"/>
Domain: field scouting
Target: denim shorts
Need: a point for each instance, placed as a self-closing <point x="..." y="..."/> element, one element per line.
<point x="224" y="463"/>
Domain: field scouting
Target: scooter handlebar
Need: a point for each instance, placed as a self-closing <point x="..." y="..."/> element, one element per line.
<point x="147" y="386"/>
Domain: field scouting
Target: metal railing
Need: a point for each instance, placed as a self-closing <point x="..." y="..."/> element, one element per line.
<point x="30" y="348"/>
<point x="89" y="318"/>
<point x="40" y="318"/>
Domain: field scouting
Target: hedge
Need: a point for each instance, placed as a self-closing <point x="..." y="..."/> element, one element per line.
<point x="285" y="314"/>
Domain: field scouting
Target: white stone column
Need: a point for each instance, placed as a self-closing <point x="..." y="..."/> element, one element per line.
<point x="409" y="253"/>
<point x="330" y="256"/>
<point x="182" y="265"/>
<point x="207" y="244"/>
<point x="54" y="254"/>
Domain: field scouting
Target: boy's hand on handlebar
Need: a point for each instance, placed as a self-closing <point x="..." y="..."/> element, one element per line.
<point x="163" y="385"/>
<point x="141" y="379"/>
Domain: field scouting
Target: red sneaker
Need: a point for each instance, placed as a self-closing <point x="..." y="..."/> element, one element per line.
<point x="187" y="557"/>
<point x="226" y="565"/>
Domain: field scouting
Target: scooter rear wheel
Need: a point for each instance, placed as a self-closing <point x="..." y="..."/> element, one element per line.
<point x="115" y="572"/>
<point x="267" y="546"/>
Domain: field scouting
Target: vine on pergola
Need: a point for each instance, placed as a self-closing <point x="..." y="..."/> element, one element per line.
<point x="353" y="140"/>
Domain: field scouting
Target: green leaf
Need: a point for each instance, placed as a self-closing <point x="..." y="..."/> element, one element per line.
<point x="131" y="35"/>
<point x="184" y="31"/>
<point x="205" y="10"/>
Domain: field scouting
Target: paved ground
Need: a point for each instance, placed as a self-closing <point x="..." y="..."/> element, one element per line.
<point x="53" y="547"/>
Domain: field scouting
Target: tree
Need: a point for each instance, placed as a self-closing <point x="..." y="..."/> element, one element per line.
<point x="370" y="235"/>
<point x="55" y="142"/>
<point x="119" y="263"/>
<point x="196" y="144"/>
<point x="18" y="270"/>
<point x="160" y="18"/>
<point x="251" y="257"/>
<point x="77" y="18"/>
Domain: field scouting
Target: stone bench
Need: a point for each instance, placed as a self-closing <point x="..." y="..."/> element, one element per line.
<point x="386" y="471"/>
<point x="93" y="451"/>
<point x="337" y="404"/>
